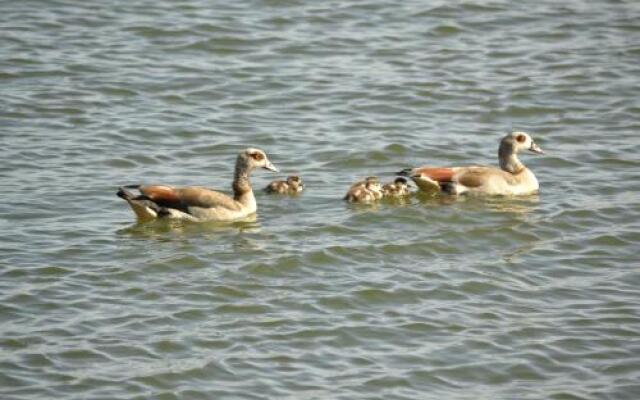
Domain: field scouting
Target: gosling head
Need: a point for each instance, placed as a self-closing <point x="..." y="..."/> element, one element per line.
<point x="255" y="158"/>
<point x="373" y="185"/>
<point x="295" y="183"/>
<point x="401" y="182"/>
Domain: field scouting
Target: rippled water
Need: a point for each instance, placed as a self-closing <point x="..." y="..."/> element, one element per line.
<point x="532" y="298"/>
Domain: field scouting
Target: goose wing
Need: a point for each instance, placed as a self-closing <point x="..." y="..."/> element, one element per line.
<point x="191" y="196"/>
<point x="438" y="174"/>
<point x="473" y="177"/>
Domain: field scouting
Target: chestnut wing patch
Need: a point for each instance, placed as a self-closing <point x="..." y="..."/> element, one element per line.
<point x="436" y="174"/>
<point x="183" y="198"/>
<point x="164" y="196"/>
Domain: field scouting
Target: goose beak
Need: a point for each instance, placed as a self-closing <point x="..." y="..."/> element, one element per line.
<point x="270" y="167"/>
<point x="535" y="148"/>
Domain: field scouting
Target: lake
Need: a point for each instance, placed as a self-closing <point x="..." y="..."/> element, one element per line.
<point x="431" y="298"/>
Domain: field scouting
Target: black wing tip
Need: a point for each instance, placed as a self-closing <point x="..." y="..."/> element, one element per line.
<point x="405" y="172"/>
<point x="127" y="195"/>
<point x="123" y="193"/>
<point x="448" y="187"/>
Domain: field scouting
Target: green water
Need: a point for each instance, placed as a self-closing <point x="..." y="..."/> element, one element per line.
<point x="434" y="298"/>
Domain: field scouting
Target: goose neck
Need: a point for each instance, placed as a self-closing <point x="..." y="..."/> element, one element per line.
<point x="509" y="159"/>
<point x="242" y="191"/>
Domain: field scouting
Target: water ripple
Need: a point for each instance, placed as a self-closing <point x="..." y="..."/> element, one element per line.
<point x="430" y="297"/>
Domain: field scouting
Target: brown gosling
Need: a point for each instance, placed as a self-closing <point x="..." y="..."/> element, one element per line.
<point x="363" y="182"/>
<point x="398" y="188"/>
<point x="364" y="192"/>
<point x="374" y="186"/>
<point x="293" y="185"/>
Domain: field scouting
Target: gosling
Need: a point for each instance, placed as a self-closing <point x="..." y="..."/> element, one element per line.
<point x="398" y="188"/>
<point x="366" y="191"/>
<point x="366" y="180"/>
<point x="293" y="185"/>
<point x="374" y="186"/>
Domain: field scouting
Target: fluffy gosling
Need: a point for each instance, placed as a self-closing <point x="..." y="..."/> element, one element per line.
<point x="292" y="185"/>
<point x="365" y="191"/>
<point x="398" y="188"/>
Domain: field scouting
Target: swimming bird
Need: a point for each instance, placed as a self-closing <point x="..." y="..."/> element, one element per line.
<point x="398" y="188"/>
<point x="513" y="178"/>
<point x="365" y="191"/>
<point x="292" y="185"/>
<point x="195" y="203"/>
<point x="372" y="183"/>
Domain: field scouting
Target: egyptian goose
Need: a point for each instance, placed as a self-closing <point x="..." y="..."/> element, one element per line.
<point x="196" y="203"/>
<point x="364" y="191"/>
<point x="397" y="188"/>
<point x="513" y="178"/>
<point x="292" y="185"/>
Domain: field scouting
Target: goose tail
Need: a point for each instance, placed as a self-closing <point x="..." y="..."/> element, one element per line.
<point x="144" y="209"/>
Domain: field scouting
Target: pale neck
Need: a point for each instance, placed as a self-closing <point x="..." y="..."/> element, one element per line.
<point x="508" y="158"/>
<point x="242" y="191"/>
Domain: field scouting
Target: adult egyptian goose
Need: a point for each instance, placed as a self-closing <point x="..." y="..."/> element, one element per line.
<point x="365" y="191"/>
<point x="292" y="185"/>
<point x="196" y="203"/>
<point x="513" y="178"/>
<point x="398" y="188"/>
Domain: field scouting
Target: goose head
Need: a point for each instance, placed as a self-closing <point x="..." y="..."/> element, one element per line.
<point x="252" y="158"/>
<point x="521" y="141"/>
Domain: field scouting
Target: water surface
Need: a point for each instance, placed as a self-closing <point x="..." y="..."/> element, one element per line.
<point x="531" y="298"/>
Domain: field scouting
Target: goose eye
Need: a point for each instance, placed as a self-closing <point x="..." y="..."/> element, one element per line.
<point x="521" y="138"/>
<point x="257" y="156"/>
